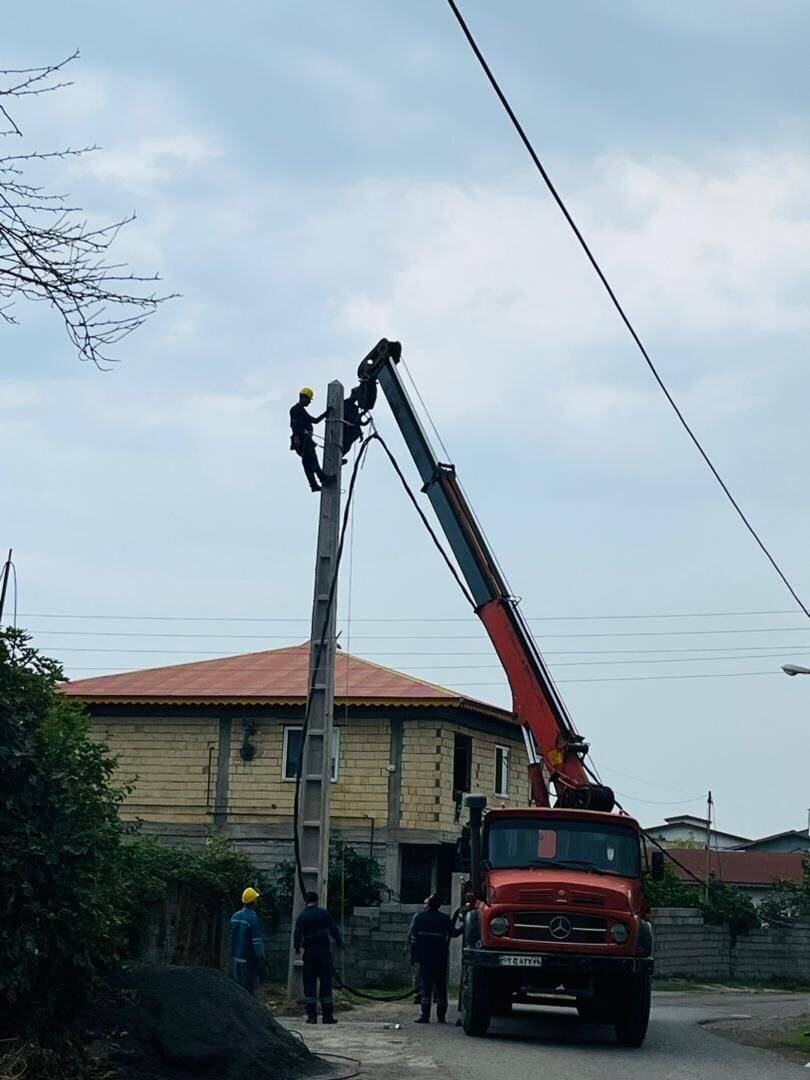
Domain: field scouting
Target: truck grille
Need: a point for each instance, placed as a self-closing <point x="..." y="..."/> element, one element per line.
<point x="560" y="927"/>
<point x="542" y="896"/>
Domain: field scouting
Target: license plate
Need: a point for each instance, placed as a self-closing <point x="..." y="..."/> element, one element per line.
<point x="521" y="961"/>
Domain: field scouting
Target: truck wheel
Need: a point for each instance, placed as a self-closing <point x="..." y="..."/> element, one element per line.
<point x="634" y="1011"/>
<point x="475" y="1006"/>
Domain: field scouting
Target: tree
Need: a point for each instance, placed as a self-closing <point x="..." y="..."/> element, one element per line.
<point x="48" y="250"/>
<point x="355" y="880"/>
<point x="62" y="924"/>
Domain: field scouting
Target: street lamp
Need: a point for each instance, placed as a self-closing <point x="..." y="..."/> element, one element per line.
<point x="794" y="669"/>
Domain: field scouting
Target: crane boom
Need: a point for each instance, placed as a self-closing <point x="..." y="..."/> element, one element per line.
<point x="554" y="747"/>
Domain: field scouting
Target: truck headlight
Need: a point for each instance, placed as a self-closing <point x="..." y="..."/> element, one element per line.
<point x="499" y="925"/>
<point x="619" y="933"/>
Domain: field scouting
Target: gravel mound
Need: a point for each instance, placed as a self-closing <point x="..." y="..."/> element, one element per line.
<point x="186" y="1023"/>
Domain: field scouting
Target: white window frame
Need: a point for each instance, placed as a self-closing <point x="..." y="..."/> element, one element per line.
<point x="506" y="758"/>
<point x="335" y="753"/>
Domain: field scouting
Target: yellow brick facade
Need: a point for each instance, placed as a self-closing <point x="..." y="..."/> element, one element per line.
<point x="258" y="791"/>
<point x="174" y="763"/>
<point x="427" y="772"/>
<point x="168" y="757"/>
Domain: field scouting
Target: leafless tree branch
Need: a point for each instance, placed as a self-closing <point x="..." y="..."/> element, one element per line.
<point x="49" y="253"/>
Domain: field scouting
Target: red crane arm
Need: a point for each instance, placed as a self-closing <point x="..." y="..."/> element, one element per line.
<point x="556" y="751"/>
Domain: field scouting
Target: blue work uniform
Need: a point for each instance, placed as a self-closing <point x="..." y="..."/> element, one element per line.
<point x="313" y="929"/>
<point x="431" y="932"/>
<point x="247" y="948"/>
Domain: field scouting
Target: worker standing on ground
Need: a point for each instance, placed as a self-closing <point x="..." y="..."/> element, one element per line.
<point x="247" y="943"/>
<point x="410" y="945"/>
<point x="431" y="931"/>
<point x="301" y="440"/>
<point x="313" y="928"/>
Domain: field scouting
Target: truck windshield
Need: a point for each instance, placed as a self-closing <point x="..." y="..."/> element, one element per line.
<point x="571" y="845"/>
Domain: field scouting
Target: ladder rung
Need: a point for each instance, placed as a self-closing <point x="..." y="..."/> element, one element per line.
<point x="311" y="824"/>
<point x="310" y="870"/>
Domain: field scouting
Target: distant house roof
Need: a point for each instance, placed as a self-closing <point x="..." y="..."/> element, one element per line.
<point x="689" y="821"/>
<point x="278" y="677"/>
<point x="740" y="867"/>
<point x="800" y="836"/>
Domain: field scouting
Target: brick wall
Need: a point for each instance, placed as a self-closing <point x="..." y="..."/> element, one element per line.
<point x="169" y="756"/>
<point x="685" y="946"/>
<point x="258" y="790"/>
<point x="375" y="947"/>
<point x="427" y="772"/>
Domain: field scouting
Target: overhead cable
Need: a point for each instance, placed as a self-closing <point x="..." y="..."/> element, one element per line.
<point x="615" y="301"/>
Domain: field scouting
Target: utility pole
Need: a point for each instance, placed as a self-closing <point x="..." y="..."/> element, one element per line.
<point x="316" y="752"/>
<point x="4" y="586"/>
<point x="709" y="805"/>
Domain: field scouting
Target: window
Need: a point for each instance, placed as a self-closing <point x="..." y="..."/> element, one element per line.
<point x="502" y="776"/>
<point x="292" y="751"/>
<point x="462" y="764"/>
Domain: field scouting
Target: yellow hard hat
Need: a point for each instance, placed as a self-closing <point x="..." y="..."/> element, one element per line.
<point x="305" y="391"/>
<point x="249" y="896"/>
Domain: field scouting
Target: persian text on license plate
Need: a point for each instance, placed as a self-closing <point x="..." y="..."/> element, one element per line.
<point x="522" y="961"/>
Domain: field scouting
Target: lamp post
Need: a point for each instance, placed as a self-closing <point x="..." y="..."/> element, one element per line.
<point x="795" y="669"/>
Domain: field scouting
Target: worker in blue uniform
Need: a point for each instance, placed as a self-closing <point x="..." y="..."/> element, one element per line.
<point x="313" y="929"/>
<point x="431" y="931"/>
<point x="247" y="943"/>
<point x="302" y="441"/>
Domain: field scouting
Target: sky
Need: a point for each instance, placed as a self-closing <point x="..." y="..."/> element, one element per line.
<point x="310" y="178"/>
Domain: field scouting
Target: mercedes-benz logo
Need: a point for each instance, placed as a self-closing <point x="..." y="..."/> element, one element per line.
<point x="559" y="927"/>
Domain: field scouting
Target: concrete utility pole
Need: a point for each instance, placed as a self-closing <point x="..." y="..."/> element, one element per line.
<point x="316" y="768"/>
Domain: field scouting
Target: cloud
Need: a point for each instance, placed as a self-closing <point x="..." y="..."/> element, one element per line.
<point x="495" y="301"/>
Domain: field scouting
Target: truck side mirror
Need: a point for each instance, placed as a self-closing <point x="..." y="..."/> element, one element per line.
<point x="657" y="865"/>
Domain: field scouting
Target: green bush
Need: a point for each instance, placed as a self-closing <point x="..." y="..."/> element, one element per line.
<point x="76" y="886"/>
<point x="788" y="901"/>
<point x="724" y="906"/>
<point x="213" y="875"/>
<point x="355" y="880"/>
<point x="61" y="921"/>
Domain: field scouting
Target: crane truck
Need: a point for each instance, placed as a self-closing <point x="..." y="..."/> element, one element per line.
<point x="556" y="911"/>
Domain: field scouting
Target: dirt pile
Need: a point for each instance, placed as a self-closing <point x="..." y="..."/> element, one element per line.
<point x="185" y="1023"/>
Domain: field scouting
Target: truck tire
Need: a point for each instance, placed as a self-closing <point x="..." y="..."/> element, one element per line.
<point x="633" y="1015"/>
<point x="475" y="1005"/>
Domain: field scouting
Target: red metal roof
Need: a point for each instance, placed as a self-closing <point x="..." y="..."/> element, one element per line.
<point x="740" y="867"/>
<point x="277" y="676"/>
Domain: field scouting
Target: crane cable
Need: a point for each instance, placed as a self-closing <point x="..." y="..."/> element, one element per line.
<point x="616" y="303"/>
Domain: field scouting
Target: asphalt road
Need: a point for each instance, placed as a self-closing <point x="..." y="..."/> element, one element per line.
<point x="540" y="1044"/>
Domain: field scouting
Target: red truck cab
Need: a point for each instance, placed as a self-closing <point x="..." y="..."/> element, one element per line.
<point x="558" y="916"/>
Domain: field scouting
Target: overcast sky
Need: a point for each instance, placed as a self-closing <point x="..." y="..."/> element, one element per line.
<point x="313" y="177"/>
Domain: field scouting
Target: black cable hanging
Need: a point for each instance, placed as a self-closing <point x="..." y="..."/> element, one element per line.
<point x="319" y="644"/>
<point x="616" y="303"/>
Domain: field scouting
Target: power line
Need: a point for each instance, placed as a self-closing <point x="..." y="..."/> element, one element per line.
<point x="615" y="301"/>
<point x="435" y="637"/>
<point x="406" y="619"/>
<point x="575" y="663"/>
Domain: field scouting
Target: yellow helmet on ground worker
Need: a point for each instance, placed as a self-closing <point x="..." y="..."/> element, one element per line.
<point x="306" y="392"/>
<point x="250" y="896"/>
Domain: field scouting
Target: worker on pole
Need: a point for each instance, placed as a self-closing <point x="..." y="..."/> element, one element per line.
<point x="247" y="943"/>
<point x="313" y="929"/>
<point x="431" y="931"/>
<point x="302" y="441"/>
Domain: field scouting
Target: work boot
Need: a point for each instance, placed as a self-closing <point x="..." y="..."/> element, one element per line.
<point x="441" y="1018"/>
<point x="312" y="1019"/>
<point x="329" y="1014"/>
<point x="422" y="1020"/>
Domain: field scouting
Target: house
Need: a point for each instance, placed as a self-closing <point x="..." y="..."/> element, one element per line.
<point x="752" y="872"/>
<point x="213" y="745"/>
<point x="791" y="840"/>
<point x="684" y="830"/>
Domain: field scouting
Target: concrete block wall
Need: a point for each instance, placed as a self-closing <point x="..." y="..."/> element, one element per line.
<point x="685" y="946"/>
<point x="778" y="954"/>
